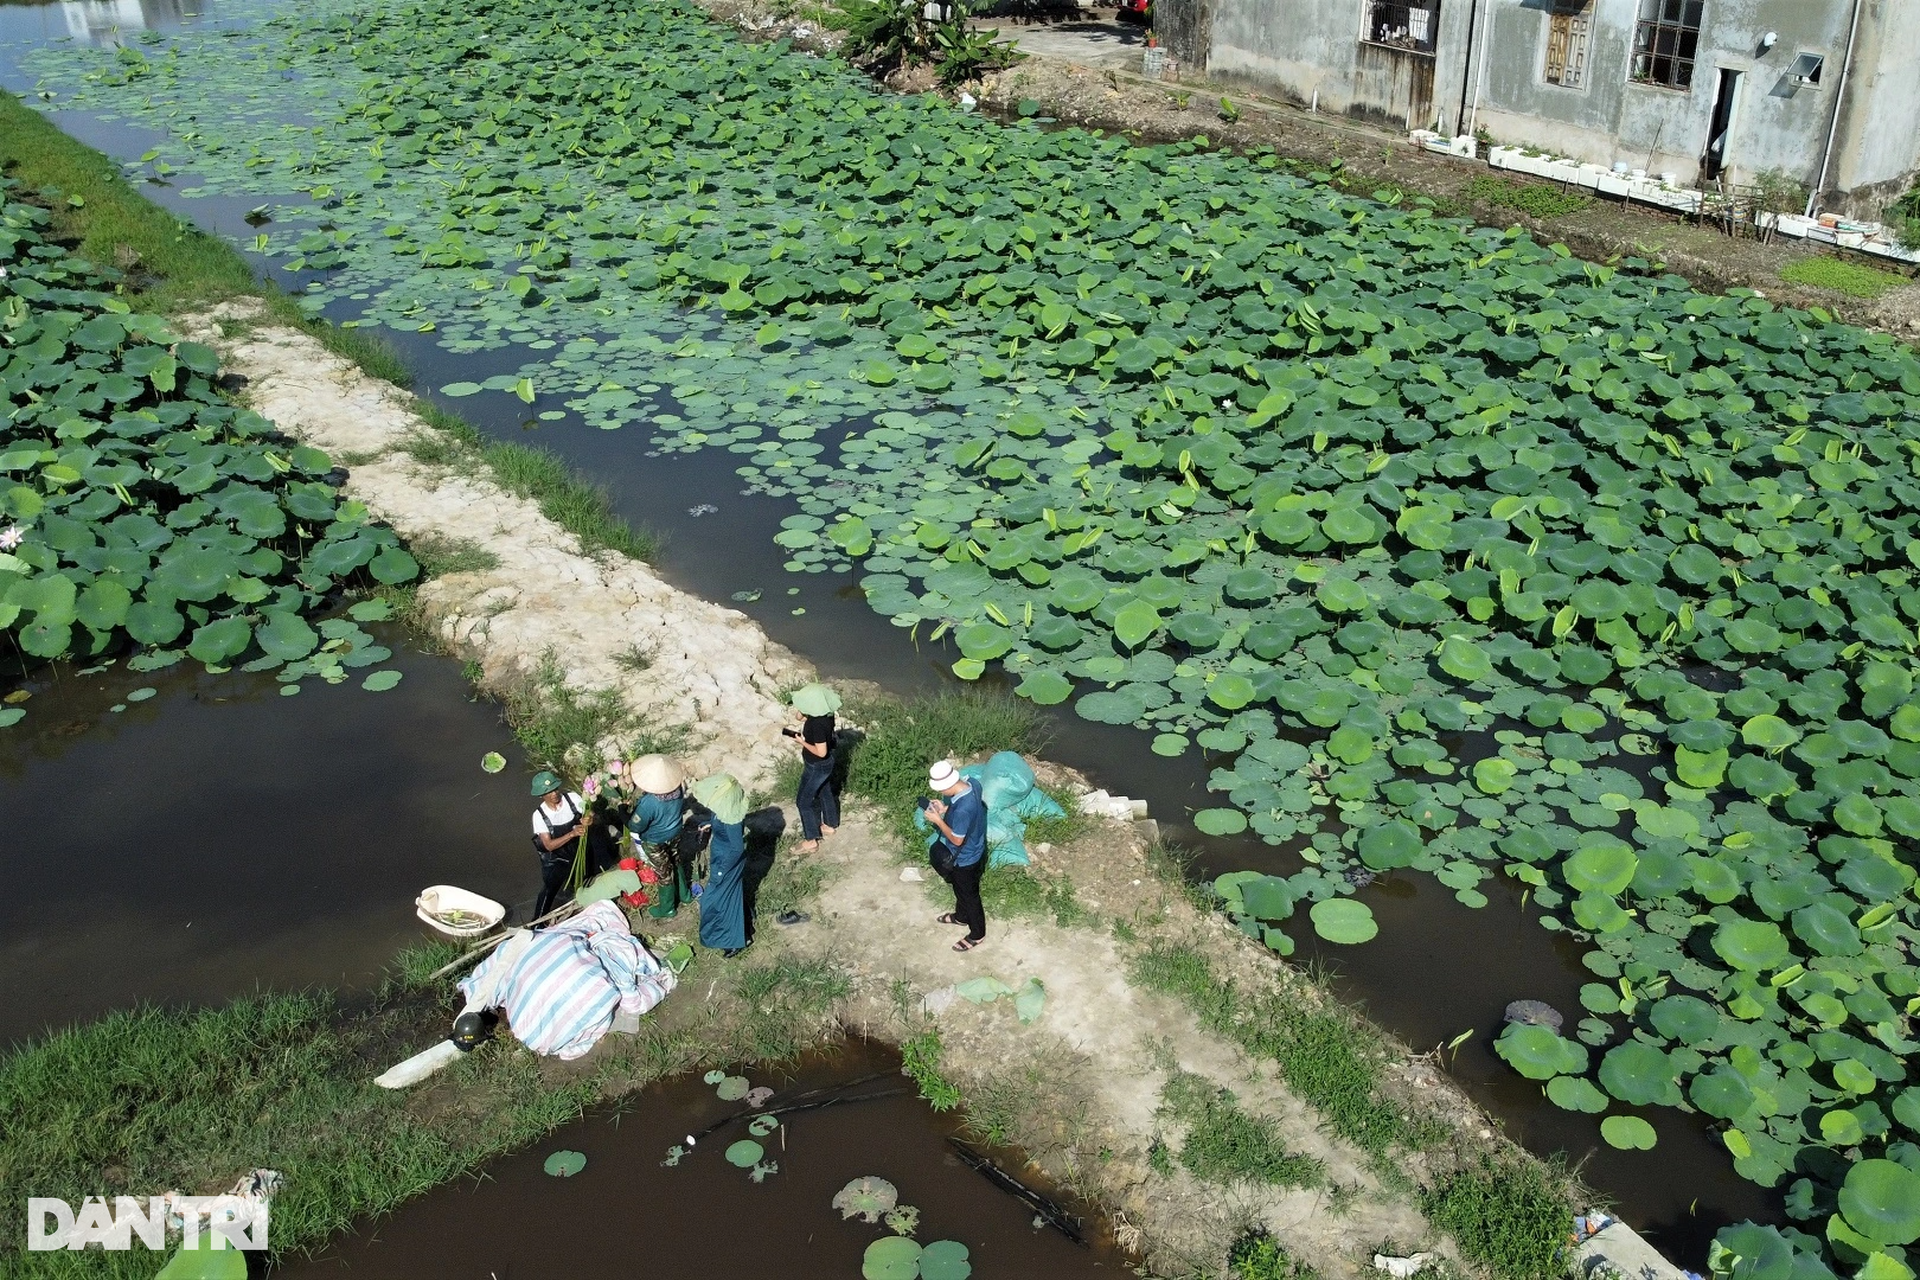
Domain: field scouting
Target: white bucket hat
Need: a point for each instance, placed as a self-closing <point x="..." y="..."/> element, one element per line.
<point x="942" y="775"/>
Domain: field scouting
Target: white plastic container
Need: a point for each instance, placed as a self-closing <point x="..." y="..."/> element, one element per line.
<point x="433" y="905"/>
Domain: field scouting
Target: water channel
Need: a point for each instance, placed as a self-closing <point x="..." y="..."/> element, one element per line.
<point x="1437" y="968"/>
<point x="626" y="1210"/>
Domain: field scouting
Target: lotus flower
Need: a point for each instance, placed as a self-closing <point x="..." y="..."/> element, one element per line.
<point x="591" y="786"/>
<point x="10" y="537"/>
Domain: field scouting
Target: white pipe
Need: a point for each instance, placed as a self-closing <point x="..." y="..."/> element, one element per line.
<point x="1480" y="72"/>
<point x="1839" y="102"/>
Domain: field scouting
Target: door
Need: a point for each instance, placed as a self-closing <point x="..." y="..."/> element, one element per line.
<point x="1726" y="100"/>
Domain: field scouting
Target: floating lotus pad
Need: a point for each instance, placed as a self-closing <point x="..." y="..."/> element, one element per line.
<point x="745" y="1153"/>
<point x="1628" y="1133"/>
<point x="891" y="1258"/>
<point x="866" y="1198"/>
<point x="564" y="1164"/>
<point x="1343" y="920"/>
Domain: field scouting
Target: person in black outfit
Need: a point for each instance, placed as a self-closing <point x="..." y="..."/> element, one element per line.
<point x="559" y="822"/>
<point x="819" y="806"/>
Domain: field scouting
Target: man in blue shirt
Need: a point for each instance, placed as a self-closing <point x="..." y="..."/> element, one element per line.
<point x="959" y="813"/>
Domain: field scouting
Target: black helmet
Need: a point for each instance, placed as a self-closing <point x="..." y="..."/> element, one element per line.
<point x="471" y="1028"/>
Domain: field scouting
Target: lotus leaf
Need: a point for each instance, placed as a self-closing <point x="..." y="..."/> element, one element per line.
<point x="1639" y="1074"/>
<point x="1880" y="1200"/>
<point x="1684" y="1018"/>
<point x="1540" y="1052"/>
<point x="1220" y="822"/>
<point x="866" y="1198"/>
<point x="1395" y="843"/>
<point x="1751" y="945"/>
<point x="1606" y="866"/>
<point x="945" y="1260"/>
<point x="1267" y="897"/>
<point x="745" y="1153"/>
<point x="564" y="1164"/>
<point x="733" y="1088"/>
<point x="1343" y="920"/>
<point x="1576" y="1093"/>
<point x="1048" y="688"/>
<point x="1628" y="1133"/>
<point x="891" y="1258"/>
<point x="1826" y="929"/>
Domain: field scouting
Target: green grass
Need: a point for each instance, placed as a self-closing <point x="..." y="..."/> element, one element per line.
<point x="1855" y="279"/>
<point x="1021" y="891"/>
<point x="889" y="764"/>
<point x="563" y="496"/>
<point x="549" y="716"/>
<point x="1225" y="1144"/>
<point x="1330" y="1060"/>
<point x="1535" y="199"/>
<point x="151" y="1099"/>
<point x="440" y="555"/>
<point x="1511" y="1217"/>
<point x="790" y="1004"/>
<point x="920" y="1062"/>
<point x="1258" y="1256"/>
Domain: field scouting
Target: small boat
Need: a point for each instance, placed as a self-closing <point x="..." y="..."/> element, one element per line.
<point x="458" y="912"/>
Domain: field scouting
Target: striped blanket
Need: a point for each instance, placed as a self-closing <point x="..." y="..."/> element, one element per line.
<point x="561" y="987"/>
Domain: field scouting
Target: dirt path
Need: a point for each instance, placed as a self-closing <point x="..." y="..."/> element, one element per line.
<point x="709" y="670"/>
<point x="1080" y="1088"/>
<point x="1104" y="1050"/>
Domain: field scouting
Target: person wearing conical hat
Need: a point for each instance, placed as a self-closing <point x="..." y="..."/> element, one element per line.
<point x="723" y="903"/>
<point x="816" y="800"/>
<point x="656" y="829"/>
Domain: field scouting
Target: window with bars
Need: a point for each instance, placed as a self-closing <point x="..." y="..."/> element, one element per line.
<point x="1404" y="24"/>
<point x="1568" y="28"/>
<point x="1665" y="42"/>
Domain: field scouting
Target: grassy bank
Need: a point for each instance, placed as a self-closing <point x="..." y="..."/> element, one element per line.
<point x="155" y="1099"/>
<point x="170" y="267"/>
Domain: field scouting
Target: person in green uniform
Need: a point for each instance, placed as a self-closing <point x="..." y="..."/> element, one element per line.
<point x="655" y="829"/>
<point x="723" y="903"/>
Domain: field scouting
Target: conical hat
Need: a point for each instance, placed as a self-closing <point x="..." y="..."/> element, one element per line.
<point x="723" y="794"/>
<point x="814" y="700"/>
<point x="657" y="774"/>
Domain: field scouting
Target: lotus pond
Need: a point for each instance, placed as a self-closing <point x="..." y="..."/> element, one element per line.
<point x="860" y="1188"/>
<point x="1445" y="551"/>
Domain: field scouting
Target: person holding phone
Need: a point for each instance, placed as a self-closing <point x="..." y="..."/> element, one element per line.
<point x="819" y="806"/>
<point x="958" y="813"/>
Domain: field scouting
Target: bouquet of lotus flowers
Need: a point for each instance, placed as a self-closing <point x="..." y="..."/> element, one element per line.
<point x="607" y="783"/>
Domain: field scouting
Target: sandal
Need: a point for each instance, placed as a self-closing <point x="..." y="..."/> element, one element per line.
<point x="948" y="918"/>
<point x="967" y="944"/>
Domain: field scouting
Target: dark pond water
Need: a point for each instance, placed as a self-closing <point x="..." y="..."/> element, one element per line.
<point x="1437" y="968"/>
<point x="625" y="1214"/>
<point x="217" y="836"/>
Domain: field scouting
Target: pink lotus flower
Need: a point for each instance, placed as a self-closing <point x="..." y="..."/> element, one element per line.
<point x="591" y="786"/>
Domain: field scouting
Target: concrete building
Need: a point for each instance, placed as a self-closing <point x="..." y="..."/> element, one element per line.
<point x="1825" y="91"/>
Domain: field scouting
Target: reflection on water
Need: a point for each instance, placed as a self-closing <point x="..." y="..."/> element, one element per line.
<point x="107" y="21"/>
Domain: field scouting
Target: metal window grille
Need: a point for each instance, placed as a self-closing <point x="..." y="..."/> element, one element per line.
<point x="1568" y="29"/>
<point x="1414" y="24"/>
<point x="1665" y="42"/>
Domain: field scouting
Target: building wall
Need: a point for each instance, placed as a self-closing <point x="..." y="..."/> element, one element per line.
<point x="1303" y="48"/>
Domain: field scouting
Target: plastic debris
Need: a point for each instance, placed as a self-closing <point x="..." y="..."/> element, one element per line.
<point x="1401" y="1268"/>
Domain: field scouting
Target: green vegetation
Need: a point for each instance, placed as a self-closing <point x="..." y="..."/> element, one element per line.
<point x="528" y="471"/>
<point x="1258" y="1256"/>
<point x="920" y="1060"/>
<point x="440" y="555"/>
<point x="1855" y="279"/>
<point x="899" y="740"/>
<point x="1511" y="1218"/>
<point x="1251" y="463"/>
<point x="788" y="1005"/>
<point x="883" y="35"/>
<point x="1225" y="1144"/>
<point x="1330" y="1060"/>
<point x="1904" y="215"/>
<point x="151" y="1098"/>
<point x="1535" y="199"/>
<point x="143" y="511"/>
<point x="551" y="717"/>
<point x="1008" y="891"/>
